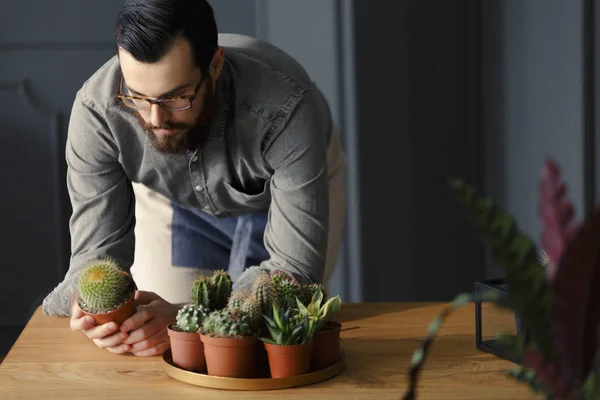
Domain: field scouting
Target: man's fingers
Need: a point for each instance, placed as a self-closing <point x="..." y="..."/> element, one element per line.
<point x="153" y="340"/>
<point x="142" y="315"/>
<point x="142" y="297"/>
<point x="82" y="323"/>
<point x="111" y="341"/>
<point x="153" y="351"/>
<point x="120" y="349"/>
<point x="101" y="331"/>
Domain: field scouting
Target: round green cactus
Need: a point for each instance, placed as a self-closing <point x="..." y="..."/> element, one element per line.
<point x="103" y="287"/>
<point x="190" y="318"/>
<point x="226" y="323"/>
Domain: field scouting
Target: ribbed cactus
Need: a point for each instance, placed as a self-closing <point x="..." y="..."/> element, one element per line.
<point x="201" y="289"/>
<point x="229" y="324"/>
<point x="252" y="307"/>
<point x="212" y="292"/>
<point x="262" y="290"/>
<point x="221" y="284"/>
<point x="102" y="286"/>
<point x="190" y="318"/>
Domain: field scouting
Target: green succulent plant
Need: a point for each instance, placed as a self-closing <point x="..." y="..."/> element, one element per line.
<point x="286" y="327"/>
<point x="229" y="324"/>
<point x="102" y="286"/>
<point x="190" y="318"/>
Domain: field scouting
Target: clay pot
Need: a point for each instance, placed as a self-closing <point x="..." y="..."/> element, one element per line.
<point x="289" y="360"/>
<point x="326" y="350"/>
<point x="118" y="315"/>
<point x="187" y="350"/>
<point x="231" y="358"/>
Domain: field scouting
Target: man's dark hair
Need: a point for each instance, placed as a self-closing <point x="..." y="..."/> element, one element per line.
<point x="147" y="28"/>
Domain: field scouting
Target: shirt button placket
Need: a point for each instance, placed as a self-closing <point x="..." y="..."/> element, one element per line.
<point x="197" y="179"/>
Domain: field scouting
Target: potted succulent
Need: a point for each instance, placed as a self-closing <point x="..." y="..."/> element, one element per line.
<point x="230" y="338"/>
<point x="106" y="292"/>
<point x="556" y="299"/>
<point x="209" y="293"/>
<point x="292" y="333"/>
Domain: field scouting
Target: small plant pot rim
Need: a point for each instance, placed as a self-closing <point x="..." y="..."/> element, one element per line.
<point x="228" y="342"/>
<point x="182" y="335"/>
<point x="286" y="348"/>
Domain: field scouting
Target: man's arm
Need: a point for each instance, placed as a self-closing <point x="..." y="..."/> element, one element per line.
<point x="297" y="232"/>
<point x="101" y="197"/>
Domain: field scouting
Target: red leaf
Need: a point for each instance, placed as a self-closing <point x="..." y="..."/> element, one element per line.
<point x="557" y="215"/>
<point x="575" y="310"/>
<point x="549" y="374"/>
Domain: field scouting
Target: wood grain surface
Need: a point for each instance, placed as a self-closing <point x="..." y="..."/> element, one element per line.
<point x="49" y="361"/>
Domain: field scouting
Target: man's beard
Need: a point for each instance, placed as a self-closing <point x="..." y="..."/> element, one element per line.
<point x="190" y="136"/>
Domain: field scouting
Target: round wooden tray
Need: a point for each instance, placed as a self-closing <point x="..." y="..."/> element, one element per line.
<point x="217" y="382"/>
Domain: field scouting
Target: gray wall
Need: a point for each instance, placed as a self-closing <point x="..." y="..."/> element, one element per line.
<point x="417" y="110"/>
<point x="533" y="101"/>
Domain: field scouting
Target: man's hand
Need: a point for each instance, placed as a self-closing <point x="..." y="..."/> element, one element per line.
<point x="104" y="336"/>
<point x="147" y="333"/>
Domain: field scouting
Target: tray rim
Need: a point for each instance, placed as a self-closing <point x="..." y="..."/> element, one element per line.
<point x="250" y="384"/>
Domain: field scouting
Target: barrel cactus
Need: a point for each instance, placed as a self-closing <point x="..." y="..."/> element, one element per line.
<point x="229" y="324"/>
<point x="103" y="287"/>
<point x="190" y="318"/>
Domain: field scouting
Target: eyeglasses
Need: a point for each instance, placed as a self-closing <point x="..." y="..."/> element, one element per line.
<point x="176" y="103"/>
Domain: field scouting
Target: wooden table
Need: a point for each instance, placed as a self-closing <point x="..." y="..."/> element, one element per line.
<point x="49" y="361"/>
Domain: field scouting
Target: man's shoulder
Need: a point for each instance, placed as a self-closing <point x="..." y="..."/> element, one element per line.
<point x="267" y="81"/>
<point x="100" y="89"/>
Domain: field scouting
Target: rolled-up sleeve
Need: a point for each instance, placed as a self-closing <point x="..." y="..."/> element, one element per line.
<point x="297" y="230"/>
<point x="103" y="218"/>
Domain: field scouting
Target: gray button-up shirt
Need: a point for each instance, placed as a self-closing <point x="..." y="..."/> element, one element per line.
<point x="267" y="149"/>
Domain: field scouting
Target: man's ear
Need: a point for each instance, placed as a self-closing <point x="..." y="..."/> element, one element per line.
<point x="216" y="65"/>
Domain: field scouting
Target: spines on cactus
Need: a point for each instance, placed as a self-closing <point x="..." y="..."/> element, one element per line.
<point x="103" y="287"/>
<point x="262" y="289"/>
<point x="237" y="299"/>
<point x="222" y="286"/>
<point x="190" y="318"/>
<point x="212" y="292"/>
<point x="201" y="292"/>
<point x="285" y="289"/>
<point x="229" y="324"/>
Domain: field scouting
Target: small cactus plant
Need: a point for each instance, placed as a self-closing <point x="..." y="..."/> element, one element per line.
<point x="229" y="324"/>
<point x="201" y="289"/>
<point x="262" y="290"/>
<point x="103" y="287"/>
<point x="221" y="289"/>
<point x="245" y="301"/>
<point x="212" y="292"/>
<point x="190" y="318"/>
<point x="285" y="289"/>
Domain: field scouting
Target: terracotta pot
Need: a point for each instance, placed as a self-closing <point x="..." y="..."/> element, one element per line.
<point x="326" y="350"/>
<point x="118" y="315"/>
<point x="232" y="358"/>
<point x="289" y="360"/>
<point x="187" y="350"/>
